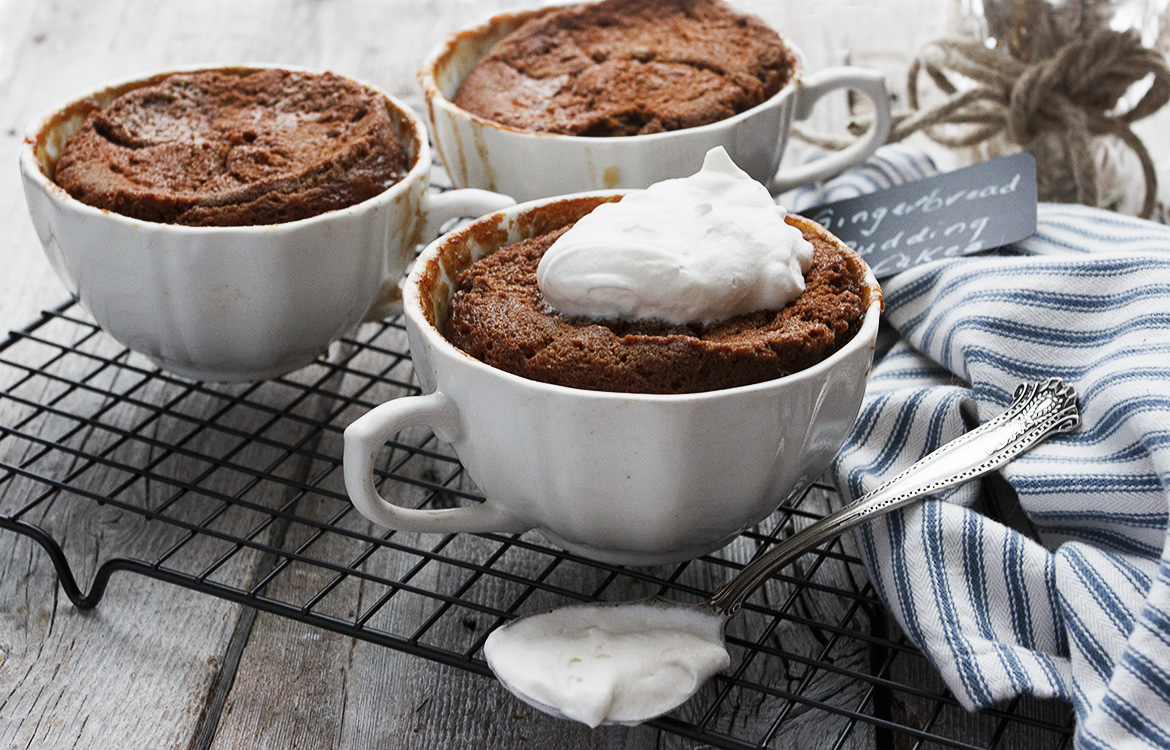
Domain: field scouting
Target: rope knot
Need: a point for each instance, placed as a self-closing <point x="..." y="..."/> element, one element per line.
<point x="1078" y="86"/>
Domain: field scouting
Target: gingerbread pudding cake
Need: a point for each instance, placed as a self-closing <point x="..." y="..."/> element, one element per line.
<point x="235" y="147"/>
<point x="499" y="316"/>
<point x="628" y="67"/>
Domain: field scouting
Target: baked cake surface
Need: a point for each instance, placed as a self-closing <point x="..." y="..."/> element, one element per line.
<point x="230" y="148"/>
<point x="628" y="67"/>
<point x="499" y="316"/>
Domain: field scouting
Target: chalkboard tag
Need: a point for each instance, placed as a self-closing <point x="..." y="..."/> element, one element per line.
<point x="957" y="213"/>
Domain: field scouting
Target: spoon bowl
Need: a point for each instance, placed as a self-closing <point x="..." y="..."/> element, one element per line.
<point x="611" y="663"/>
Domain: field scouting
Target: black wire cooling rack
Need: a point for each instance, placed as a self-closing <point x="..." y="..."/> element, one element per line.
<point x="239" y="494"/>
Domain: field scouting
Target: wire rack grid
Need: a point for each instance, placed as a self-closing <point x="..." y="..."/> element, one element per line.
<point x="190" y="461"/>
<point x="237" y="492"/>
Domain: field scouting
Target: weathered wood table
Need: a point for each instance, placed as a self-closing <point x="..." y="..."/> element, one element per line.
<point x="158" y="666"/>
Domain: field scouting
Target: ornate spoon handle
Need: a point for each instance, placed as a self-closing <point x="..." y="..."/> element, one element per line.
<point x="1037" y="411"/>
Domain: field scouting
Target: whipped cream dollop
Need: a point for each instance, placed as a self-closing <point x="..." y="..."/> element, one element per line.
<point x="689" y="250"/>
<point x="616" y="664"/>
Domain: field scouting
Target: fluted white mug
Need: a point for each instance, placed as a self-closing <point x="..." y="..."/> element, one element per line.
<point x="619" y="477"/>
<point x="235" y="303"/>
<point x="479" y="153"/>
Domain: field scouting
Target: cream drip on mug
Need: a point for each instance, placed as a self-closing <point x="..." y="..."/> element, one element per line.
<point x="689" y="250"/>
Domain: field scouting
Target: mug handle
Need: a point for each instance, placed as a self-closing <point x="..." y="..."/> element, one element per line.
<point x="869" y="83"/>
<point x="464" y="202"/>
<point x="439" y="208"/>
<point x="366" y="436"/>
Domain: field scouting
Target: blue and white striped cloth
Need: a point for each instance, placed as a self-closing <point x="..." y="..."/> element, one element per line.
<point x="1085" y="614"/>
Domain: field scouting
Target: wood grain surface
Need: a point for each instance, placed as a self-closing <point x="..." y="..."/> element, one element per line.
<point x="156" y="666"/>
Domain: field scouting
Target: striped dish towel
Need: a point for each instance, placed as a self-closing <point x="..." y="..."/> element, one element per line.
<point x="1083" y="614"/>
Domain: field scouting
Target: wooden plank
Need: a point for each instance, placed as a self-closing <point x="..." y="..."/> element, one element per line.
<point x="27" y="284"/>
<point x="149" y="645"/>
<point x="57" y="661"/>
<point x="138" y="671"/>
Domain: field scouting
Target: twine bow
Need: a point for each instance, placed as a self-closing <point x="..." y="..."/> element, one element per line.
<point x="1071" y="95"/>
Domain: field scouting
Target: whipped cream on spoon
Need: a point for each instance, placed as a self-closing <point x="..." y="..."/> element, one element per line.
<point x="625" y="663"/>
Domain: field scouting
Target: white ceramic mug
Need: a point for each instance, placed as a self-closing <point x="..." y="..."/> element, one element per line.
<point x="527" y="165"/>
<point x="619" y="477"/>
<point x="235" y="303"/>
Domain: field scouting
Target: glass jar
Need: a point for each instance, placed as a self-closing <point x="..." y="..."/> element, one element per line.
<point x="1034" y="30"/>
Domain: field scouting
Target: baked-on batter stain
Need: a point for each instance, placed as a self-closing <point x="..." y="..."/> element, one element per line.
<point x="611" y="177"/>
<point x="458" y="249"/>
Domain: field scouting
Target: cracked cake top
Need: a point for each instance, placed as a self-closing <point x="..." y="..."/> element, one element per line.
<point x="628" y="67"/>
<point x="235" y="147"/>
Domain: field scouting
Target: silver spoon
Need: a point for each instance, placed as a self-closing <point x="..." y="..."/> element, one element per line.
<point x="530" y="661"/>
